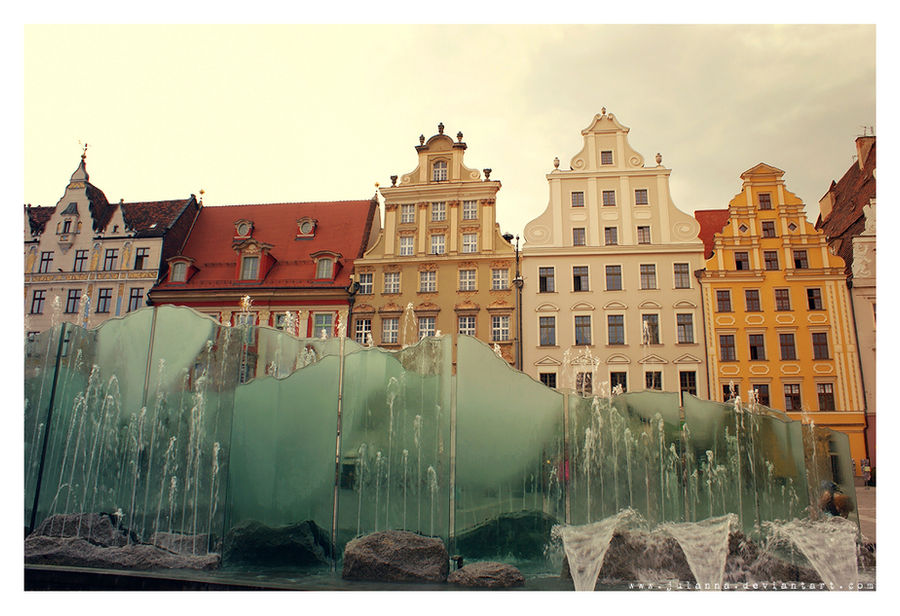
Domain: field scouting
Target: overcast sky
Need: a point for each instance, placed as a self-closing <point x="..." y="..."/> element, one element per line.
<point x="256" y="114"/>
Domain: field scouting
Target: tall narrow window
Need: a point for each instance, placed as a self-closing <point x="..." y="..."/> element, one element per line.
<point x="390" y="328"/>
<point x="578" y="199"/>
<point x="110" y="258"/>
<point x="814" y="299"/>
<point x="757" y="346"/>
<point x="440" y="171"/>
<point x="825" y="393"/>
<point x="687" y="383"/>
<point x="437" y="244"/>
<point x="741" y="260"/>
<point x="407" y="213"/>
<point x="685" y="323"/>
<point x="323" y="325"/>
<point x="467" y="280"/>
<point x="37" y="302"/>
<point x="730" y="390"/>
<point x="426" y="327"/>
<point x="46" y="262"/>
<point x="643" y="235"/>
<point x="366" y="285"/>
<point x="250" y="268"/>
<point x="820" y="345"/>
<point x="179" y="271"/>
<point x="324" y="268"/>
<point x="792" y="397"/>
<point x="470" y="210"/>
<point x="547" y="331"/>
<point x="104" y="298"/>
<point x="546" y="283"/>
<point x="653" y="380"/>
<point x="751" y="300"/>
<point x="582" y="330"/>
<point x="578" y="236"/>
<point x="467" y="325"/>
<point x="141" y="257"/>
<point x="615" y="329"/>
<point x="392" y="282"/>
<point x="650" y="328"/>
<point x="609" y="197"/>
<point x="723" y="300"/>
<point x="682" y="275"/>
<point x="499" y="279"/>
<point x="363" y="330"/>
<point x="640" y="196"/>
<point x="762" y="394"/>
<point x="611" y="236"/>
<point x="80" y="260"/>
<point x="782" y="299"/>
<point x="470" y="242"/>
<point x="438" y="211"/>
<point x="648" y="276"/>
<point x="726" y="348"/>
<point x="72" y="300"/>
<point x="788" y="349"/>
<point x="800" y="259"/>
<point x="580" y="278"/>
<point x="613" y="277"/>
<point x="406" y="245"/>
<point x="500" y="328"/>
<point x="135" y="298"/>
<point x="428" y="282"/>
<point x="765" y="201"/>
<point x="771" y="259"/>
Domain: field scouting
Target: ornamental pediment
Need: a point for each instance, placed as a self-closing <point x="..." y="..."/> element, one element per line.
<point x="684" y="304"/>
<point x="652" y="359"/>
<point x="360" y="308"/>
<point x="581" y="306"/>
<point x="618" y="358"/>
<point x="615" y="306"/>
<point x="467" y="305"/>
<point x="546" y="360"/>
<point x="649" y="305"/>
<point x="427" y="307"/>
<point x="390" y="308"/>
<point x="687" y="358"/>
<point x="547" y="307"/>
<point x="499" y="304"/>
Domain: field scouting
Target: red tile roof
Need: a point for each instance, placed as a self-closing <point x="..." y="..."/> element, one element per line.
<point x="711" y="222"/>
<point x="850" y="194"/>
<point x="38" y="217"/>
<point x="142" y="216"/>
<point x="342" y="227"/>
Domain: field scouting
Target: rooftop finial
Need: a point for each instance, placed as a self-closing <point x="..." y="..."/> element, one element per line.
<point x="84" y="151"/>
<point x="603" y="110"/>
<point x="459" y="136"/>
<point x="556" y="162"/>
<point x="441" y="128"/>
<point x="421" y="139"/>
<point x="658" y="158"/>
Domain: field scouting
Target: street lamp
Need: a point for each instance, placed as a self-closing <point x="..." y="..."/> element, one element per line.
<point x="518" y="283"/>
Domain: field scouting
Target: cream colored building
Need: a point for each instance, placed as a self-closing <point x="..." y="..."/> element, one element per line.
<point x="610" y="293"/>
<point x="440" y="262"/>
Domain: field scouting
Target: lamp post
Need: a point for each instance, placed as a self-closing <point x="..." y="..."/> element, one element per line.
<point x="518" y="283"/>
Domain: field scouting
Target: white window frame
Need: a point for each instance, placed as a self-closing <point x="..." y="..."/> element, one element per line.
<point x="392" y="282"/>
<point x="390" y="330"/>
<point x="470" y="210"/>
<point x="438" y="211"/>
<point x="363" y="330"/>
<point x="427" y="326"/>
<point x="366" y="283"/>
<point x="407" y="213"/>
<point x="466" y="324"/>
<point x="324" y="269"/>
<point x="470" y="242"/>
<point x="407" y="245"/>
<point x="439" y="171"/>
<point x="250" y="267"/>
<point x="317" y="328"/>
<point x="179" y="271"/>
<point x="499" y="279"/>
<point x="428" y="281"/>
<point x="467" y="279"/>
<point x="438" y="243"/>
<point x="500" y="328"/>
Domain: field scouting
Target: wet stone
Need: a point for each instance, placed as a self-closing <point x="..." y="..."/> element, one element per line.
<point x="487" y="574"/>
<point x="396" y="556"/>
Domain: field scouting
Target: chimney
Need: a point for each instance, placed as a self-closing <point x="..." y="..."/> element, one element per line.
<point x="826" y="203"/>
<point x="863" y="146"/>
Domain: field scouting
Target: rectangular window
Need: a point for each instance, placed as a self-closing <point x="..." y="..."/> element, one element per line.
<point x="250" y="268"/>
<point x="407" y="213"/>
<point x="583" y="383"/>
<point x="104" y="298"/>
<point x="80" y="260"/>
<point x="820" y="345"/>
<point x="46" y="262"/>
<point x="406" y="245"/>
<point x="609" y="197"/>
<point x="771" y="259"/>
<point x="110" y="258"/>
<point x="323" y="325"/>
<point x="685" y="323"/>
<point x="643" y="235"/>
<point x="800" y="259"/>
<point x="653" y="380"/>
<point x="578" y="236"/>
<point x="606" y="157"/>
<point x="768" y="228"/>
<point x="426" y="327"/>
<point x="620" y="379"/>
<point x="280" y="321"/>
<point x="650" y="328"/>
<point x="366" y="284"/>
<point x="757" y="346"/>
<point x="765" y="201"/>
<point x="547" y="331"/>
<point x="72" y="301"/>
<point x="179" y="272"/>
<point x="762" y="394"/>
<point x="324" y="268"/>
<point x="723" y="300"/>
<point x="470" y="242"/>
<point x="726" y="348"/>
<point x="135" y="298"/>
<point x="437" y="244"/>
<point x="438" y="211"/>
<point x="392" y="282"/>
<point x="548" y="379"/>
<point x="577" y="199"/>
<point x="427" y="282"/>
<point x="500" y="328"/>
<point x="470" y="210"/>
<point x="390" y="329"/>
<point x="67" y="226"/>
<point x="363" y="330"/>
<point x="37" y="302"/>
<point x="687" y="382"/>
<point x="751" y="300"/>
<point x="782" y="299"/>
<point x="814" y="299"/>
<point x="741" y="261"/>
<point x="792" y="397"/>
<point x="788" y="349"/>
<point x="141" y="256"/>
<point x="467" y="325"/>
<point x="499" y="279"/>
<point x="825" y="392"/>
<point x="467" y="280"/>
<point x="731" y="390"/>
<point x="546" y="282"/>
<point x="613" y="277"/>
<point x="580" y="278"/>
<point x="682" y="275"/>
<point x="615" y="329"/>
<point x="611" y="236"/>
<point x="582" y="330"/>
<point x="640" y="196"/>
<point x="648" y="276"/>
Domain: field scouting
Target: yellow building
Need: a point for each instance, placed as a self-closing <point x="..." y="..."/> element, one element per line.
<point x="777" y="311"/>
<point x="440" y="262"/>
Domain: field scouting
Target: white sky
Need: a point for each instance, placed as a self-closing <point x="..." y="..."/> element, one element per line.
<point x="255" y="114"/>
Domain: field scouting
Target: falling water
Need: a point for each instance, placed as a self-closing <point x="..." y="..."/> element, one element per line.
<point x="362" y="470"/>
<point x="392" y="387"/>
<point x="417" y="441"/>
<point x="213" y="493"/>
<point x="828" y="544"/>
<point x="705" y="546"/>
<point x="378" y="464"/>
<point x="432" y="488"/>
<point x="137" y="442"/>
<point x="405" y="484"/>
<point x="170" y="455"/>
<point x="586" y="547"/>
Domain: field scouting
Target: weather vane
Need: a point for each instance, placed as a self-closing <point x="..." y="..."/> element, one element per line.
<point x="84" y="152"/>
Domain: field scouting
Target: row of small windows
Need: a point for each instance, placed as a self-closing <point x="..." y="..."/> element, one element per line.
<point x="74" y="299"/>
<point x="792" y="401"/>
<point x="782" y="298"/>
<point x="428" y="281"/>
<point x="610" y="236"/>
<point x="609" y="197"/>
<point x="438" y="244"/>
<point x="580" y="277"/>
<point x="427" y="326"/>
<point x="786" y="343"/>
<point x="438" y="211"/>
<point x="615" y="329"/>
<point x="110" y="260"/>
<point x="770" y="259"/>
<point x="618" y="378"/>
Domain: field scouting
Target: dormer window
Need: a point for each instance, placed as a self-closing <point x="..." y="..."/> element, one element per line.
<point x="179" y="272"/>
<point x="325" y="268"/>
<point x="67" y="226"/>
<point x="306" y="227"/>
<point x="440" y="171"/>
<point x="250" y="268"/>
<point x="243" y="228"/>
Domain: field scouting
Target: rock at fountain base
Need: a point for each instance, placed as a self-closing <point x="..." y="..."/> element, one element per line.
<point x="77" y="552"/>
<point x="487" y="575"/>
<point x="299" y="544"/>
<point x="396" y="556"/>
<point x="96" y="528"/>
<point x="182" y="544"/>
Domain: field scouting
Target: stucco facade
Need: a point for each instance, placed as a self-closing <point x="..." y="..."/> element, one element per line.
<point x="777" y="311"/>
<point x="440" y="263"/>
<point x="608" y="269"/>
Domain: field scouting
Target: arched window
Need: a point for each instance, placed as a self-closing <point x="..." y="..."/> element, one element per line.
<point x="179" y="270"/>
<point x="324" y="268"/>
<point x="440" y="171"/>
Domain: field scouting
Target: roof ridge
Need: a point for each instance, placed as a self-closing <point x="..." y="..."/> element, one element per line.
<point x="366" y="201"/>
